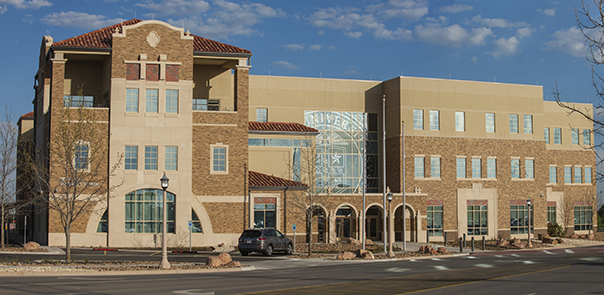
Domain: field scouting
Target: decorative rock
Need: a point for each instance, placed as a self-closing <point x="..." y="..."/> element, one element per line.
<point x="575" y="236"/>
<point x="213" y="261"/>
<point x="502" y="242"/>
<point x="543" y="236"/>
<point x="353" y="241"/>
<point x="368" y="242"/>
<point x="365" y="254"/>
<point x="427" y="249"/>
<point x="225" y="258"/>
<point x="345" y="256"/>
<point x="31" y="246"/>
<point x="234" y="264"/>
<point x="589" y="236"/>
<point x="549" y="241"/>
<point x="442" y="250"/>
<point x="560" y="241"/>
<point x="221" y="245"/>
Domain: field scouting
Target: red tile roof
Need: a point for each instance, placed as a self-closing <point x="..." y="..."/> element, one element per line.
<point x="280" y="127"/>
<point x="260" y="180"/>
<point x="29" y="115"/>
<point x="102" y="38"/>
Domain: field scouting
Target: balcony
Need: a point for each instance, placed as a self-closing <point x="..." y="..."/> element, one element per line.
<point x="83" y="101"/>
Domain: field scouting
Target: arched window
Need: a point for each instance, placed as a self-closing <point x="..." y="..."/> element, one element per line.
<point x="144" y="211"/>
<point x="102" y="227"/>
<point x="196" y="223"/>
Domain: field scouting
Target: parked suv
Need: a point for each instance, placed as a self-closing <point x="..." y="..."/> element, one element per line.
<point x="264" y="240"/>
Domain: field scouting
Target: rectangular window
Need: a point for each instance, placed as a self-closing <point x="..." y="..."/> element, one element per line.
<point x="578" y="175"/>
<point x="586" y="137"/>
<point x="513" y="123"/>
<point x="557" y="136"/>
<point x="461" y="167"/>
<point x="81" y="157"/>
<point x="132" y="100"/>
<point x="551" y="213"/>
<point x="515" y="168"/>
<point x="587" y="174"/>
<point x="574" y="136"/>
<point x="151" y="100"/>
<point x="460" y="121"/>
<point x="529" y="169"/>
<point x="172" y="101"/>
<point x="435" y="221"/>
<point x="583" y="217"/>
<point x="528" y="124"/>
<point x="519" y="219"/>
<point x="150" y="158"/>
<point x="567" y="174"/>
<point x="219" y="159"/>
<point x="131" y="157"/>
<point x="434" y="120"/>
<point x="490" y="122"/>
<point x="491" y="168"/>
<point x="261" y="115"/>
<point x="418" y="119"/>
<point x="144" y="211"/>
<point x="171" y="161"/>
<point x="476" y="168"/>
<point x="419" y="167"/>
<point x="546" y="134"/>
<point x="435" y="167"/>
<point x="553" y="174"/>
<point x="264" y="213"/>
<point x="477" y="220"/>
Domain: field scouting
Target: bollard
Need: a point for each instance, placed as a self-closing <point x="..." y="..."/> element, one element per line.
<point x="464" y="241"/>
<point x="484" y="245"/>
<point x="445" y="239"/>
<point x="460" y="245"/>
<point x="472" y="244"/>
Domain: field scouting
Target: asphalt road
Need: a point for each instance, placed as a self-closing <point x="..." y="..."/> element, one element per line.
<point x="571" y="271"/>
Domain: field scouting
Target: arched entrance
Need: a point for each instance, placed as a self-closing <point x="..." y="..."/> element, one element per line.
<point x="374" y="225"/>
<point x="318" y="234"/>
<point x="411" y="230"/>
<point x="345" y="223"/>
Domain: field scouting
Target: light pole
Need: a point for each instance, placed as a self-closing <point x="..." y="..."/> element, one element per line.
<point x="528" y="203"/>
<point x="390" y="221"/>
<point x="164" y="243"/>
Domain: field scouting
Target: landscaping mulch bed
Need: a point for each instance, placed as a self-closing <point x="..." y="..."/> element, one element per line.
<point x="20" y="249"/>
<point x="62" y="266"/>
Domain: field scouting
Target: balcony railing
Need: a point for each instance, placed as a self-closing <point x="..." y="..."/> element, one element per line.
<point x="83" y="101"/>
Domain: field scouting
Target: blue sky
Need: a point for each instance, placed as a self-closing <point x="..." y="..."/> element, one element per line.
<point x="526" y="42"/>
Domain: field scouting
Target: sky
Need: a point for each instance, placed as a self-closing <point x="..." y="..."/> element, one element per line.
<point x="526" y="42"/>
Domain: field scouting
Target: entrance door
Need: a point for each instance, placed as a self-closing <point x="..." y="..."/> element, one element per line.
<point x="372" y="226"/>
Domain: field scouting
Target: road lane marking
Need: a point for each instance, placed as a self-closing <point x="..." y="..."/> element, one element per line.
<point x="441" y="267"/>
<point x="471" y="257"/>
<point x="398" y="269"/>
<point x="515" y="255"/>
<point x="436" y="259"/>
<point x="590" y="258"/>
<point x="568" y="251"/>
<point x="154" y="253"/>
<point x="548" y="252"/>
<point x="483" y="265"/>
<point x="528" y="262"/>
<point x="192" y="291"/>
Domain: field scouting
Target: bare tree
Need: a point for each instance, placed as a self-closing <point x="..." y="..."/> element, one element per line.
<point x="307" y="201"/>
<point x="79" y="168"/>
<point x="567" y="211"/>
<point x="8" y="167"/>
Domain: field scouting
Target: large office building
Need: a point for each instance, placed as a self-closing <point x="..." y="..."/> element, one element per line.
<point x="240" y="150"/>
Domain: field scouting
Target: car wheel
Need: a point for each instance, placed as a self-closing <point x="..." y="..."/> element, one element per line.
<point x="244" y="253"/>
<point x="269" y="250"/>
<point x="289" y="250"/>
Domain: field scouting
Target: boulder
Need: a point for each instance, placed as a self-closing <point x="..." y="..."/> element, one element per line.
<point x="442" y="250"/>
<point x="575" y="236"/>
<point x="589" y="236"/>
<point x="353" y="241"/>
<point x="221" y="245"/>
<point x="365" y="254"/>
<point x="502" y="242"/>
<point x="31" y="246"/>
<point x="560" y="241"/>
<point x="549" y="241"/>
<point x="234" y="264"/>
<point x="427" y="249"/>
<point x="543" y="236"/>
<point x="214" y="261"/>
<point x="368" y="242"/>
<point x="345" y="256"/>
<point x="225" y="258"/>
<point x="368" y="256"/>
<point x="517" y="243"/>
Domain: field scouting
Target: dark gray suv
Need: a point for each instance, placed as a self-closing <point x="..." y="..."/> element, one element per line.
<point x="264" y="240"/>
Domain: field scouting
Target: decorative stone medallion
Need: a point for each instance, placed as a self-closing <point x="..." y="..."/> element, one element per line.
<point x="153" y="39"/>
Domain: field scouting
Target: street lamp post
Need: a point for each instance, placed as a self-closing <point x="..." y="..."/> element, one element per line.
<point x="528" y="203"/>
<point x="390" y="221"/>
<point x="164" y="243"/>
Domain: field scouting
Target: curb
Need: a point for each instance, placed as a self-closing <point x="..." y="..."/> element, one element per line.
<point x="103" y="249"/>
<point x="121" y="272"/>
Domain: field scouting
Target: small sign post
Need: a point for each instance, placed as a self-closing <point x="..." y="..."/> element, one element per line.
<point x="190" y="231"/>
<point x="294" y="228"/>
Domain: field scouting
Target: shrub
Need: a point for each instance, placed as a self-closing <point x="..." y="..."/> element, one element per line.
<point x="555" y="230"/>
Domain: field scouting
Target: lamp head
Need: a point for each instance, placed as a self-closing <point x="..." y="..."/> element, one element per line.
<point x="528" y="202"/>
<point x="164" y="181"/>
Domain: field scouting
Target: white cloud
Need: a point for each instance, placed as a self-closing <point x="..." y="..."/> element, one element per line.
<point x="285" y="65"/>
<point x="355" y="35"/>
<point x="78" y="20"/>
<point x="22" y="4"/>
<point x="350" y="72"/>
<point x="505" y="46"/>
<point x="570" y="41"/>
<point x="331" y="47"/>
<point x="177" y="8"/>
<point x="406" y="9"/>
<point x="455" y="8"/>
<point x="3" y="9"/>
<point x="314" y="47"/>
<point x="524" y="32"/>
<point x="228" y="19"/>
<point x="294" y="47"/>
<point x="548" y="12"/>
<point x="474" y="59"/>
<point x="492" y="22"/>
<point x="453" y="35"/>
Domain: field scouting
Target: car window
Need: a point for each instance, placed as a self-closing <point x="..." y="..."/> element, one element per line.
<point x="279" y="234"/>
<point x="251" y="234"/>
<point x="270" y="233"/>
